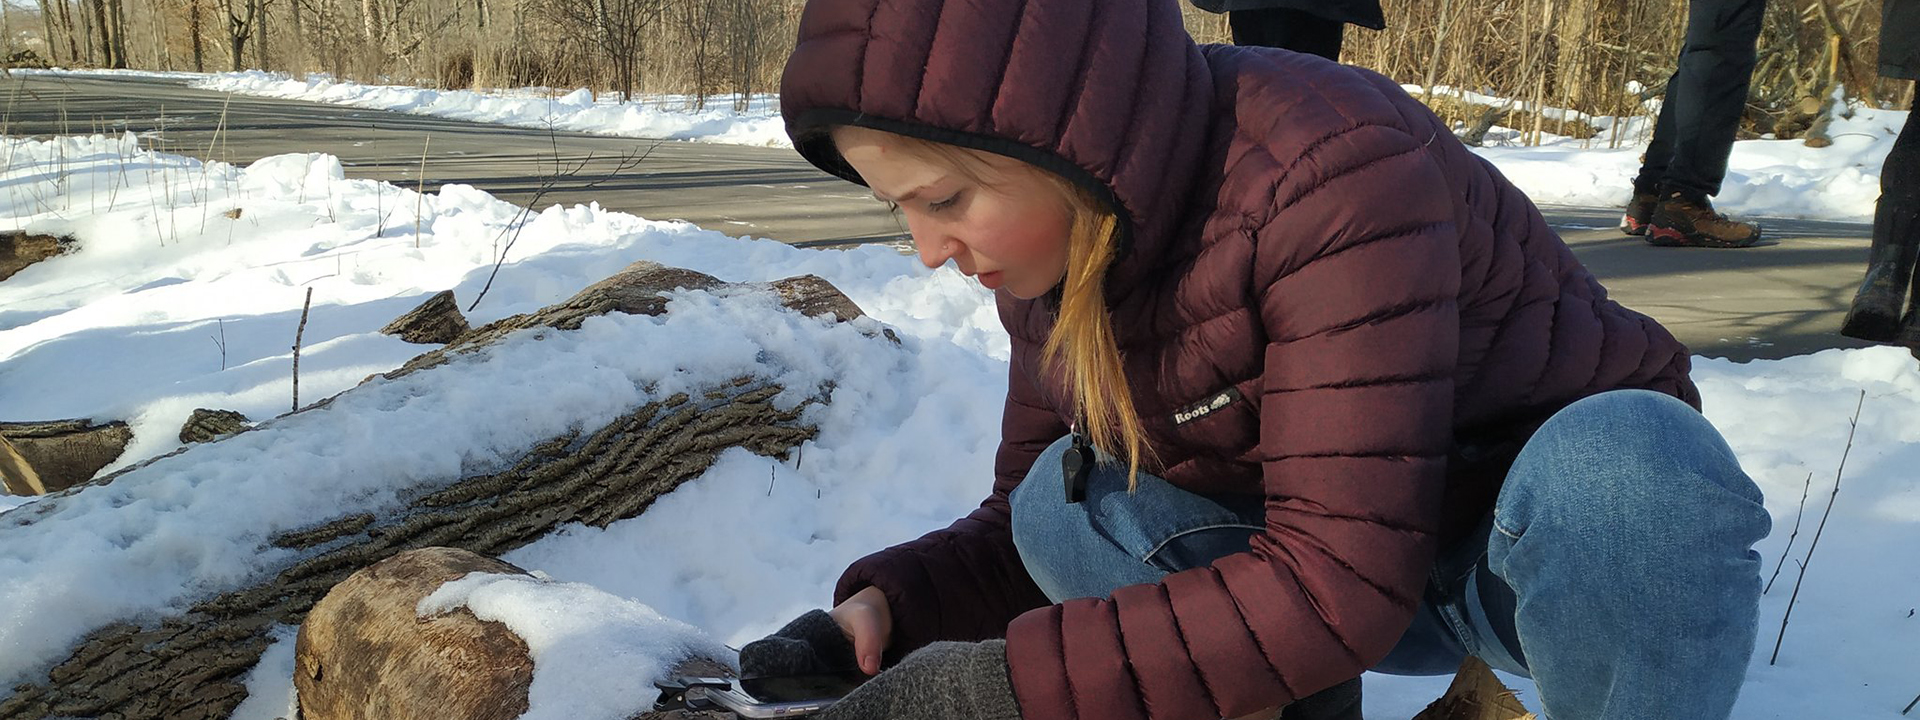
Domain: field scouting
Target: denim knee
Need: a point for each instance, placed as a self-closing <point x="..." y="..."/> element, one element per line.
<point x="1626" y="463"/>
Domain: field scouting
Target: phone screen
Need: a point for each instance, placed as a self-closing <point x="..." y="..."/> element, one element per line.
<point x="801" y="688"/>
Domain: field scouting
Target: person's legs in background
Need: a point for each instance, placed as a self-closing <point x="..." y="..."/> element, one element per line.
<point x="1876" y="311"/>
<point x="1295" y="30"/>
<point x="1687" y="157"/>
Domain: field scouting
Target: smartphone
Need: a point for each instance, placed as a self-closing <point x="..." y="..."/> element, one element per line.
<point x="782" y="696"/>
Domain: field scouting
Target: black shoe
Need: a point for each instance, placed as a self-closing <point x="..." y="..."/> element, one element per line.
<point x="1682" y="221"/>
<point x="1875" y="313"/>
<point x="1340" y="702"/>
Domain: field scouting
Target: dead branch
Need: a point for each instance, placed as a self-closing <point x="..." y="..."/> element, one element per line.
<point x="1852" y="426"/>
<point x="1791" y="536"/>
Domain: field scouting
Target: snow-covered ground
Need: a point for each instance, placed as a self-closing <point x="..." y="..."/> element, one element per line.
<point x="187" y="289"/>
<point x="1765" y="178"/>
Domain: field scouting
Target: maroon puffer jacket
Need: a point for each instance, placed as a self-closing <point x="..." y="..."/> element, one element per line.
<point x="1395" y="315"/>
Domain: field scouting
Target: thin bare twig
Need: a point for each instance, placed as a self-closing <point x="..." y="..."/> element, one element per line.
<point x="627" y="162"/>
<point x="420" y="189"/>
<point x="296" y="348"/>
<point x="1852" y="426"/>
<point x="221" y="342"/>
<point x="1790" y="537"/>
<point x="1909" y="708"/>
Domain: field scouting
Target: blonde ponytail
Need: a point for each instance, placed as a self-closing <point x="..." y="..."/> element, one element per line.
<point x="1082" y="342"/>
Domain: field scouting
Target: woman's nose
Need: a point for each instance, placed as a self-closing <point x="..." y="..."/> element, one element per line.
<point x="935" y="248"/>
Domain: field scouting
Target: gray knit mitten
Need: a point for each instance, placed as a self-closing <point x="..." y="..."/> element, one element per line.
<point x="942" y="681"/>
<point x="810" y="645"/>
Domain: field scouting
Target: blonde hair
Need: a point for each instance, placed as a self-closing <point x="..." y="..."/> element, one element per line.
<point x="1082" y="342"/>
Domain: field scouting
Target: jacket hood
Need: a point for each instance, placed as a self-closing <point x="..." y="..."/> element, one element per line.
<point x="1110" y="94"/>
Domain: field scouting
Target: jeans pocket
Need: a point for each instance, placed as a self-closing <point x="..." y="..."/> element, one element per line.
<point x="1171" y="529"/>
<point x="1200" y="546"/>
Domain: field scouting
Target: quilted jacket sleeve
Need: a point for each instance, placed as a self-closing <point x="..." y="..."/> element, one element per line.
<point x="966" y="581"/>
<point x="1356" y="278"/>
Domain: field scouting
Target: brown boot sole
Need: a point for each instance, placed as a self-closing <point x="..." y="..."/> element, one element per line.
<point x="1669" y="237"/>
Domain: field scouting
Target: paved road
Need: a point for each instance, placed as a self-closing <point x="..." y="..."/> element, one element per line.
<point x="1780" y="299"/>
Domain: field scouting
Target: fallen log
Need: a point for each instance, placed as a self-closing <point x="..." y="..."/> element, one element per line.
<point x="192" y="666"/>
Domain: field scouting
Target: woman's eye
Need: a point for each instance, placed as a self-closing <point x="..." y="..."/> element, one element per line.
<point x="939" y="205"/>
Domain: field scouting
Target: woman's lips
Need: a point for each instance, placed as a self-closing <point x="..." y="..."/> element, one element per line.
<point x="991" y="280"/>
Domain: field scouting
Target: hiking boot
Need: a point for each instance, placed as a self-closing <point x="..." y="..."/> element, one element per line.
<point x="1639" y="211"/>
<point x="1681" y="221"/>
<point x="1875" y="313"/>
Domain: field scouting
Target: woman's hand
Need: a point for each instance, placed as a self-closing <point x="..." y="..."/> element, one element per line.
<point x="868" y="622"/>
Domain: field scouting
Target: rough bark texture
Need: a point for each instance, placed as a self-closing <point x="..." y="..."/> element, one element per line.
<point x="363" y="652"/>
<point x="206" y="425"/>
<point x="18" y="250"/>
<point x="192" y="666"/>
<point x="436" y="322"/>
<point x="62" y="453"/>
<point x="1476" y="694"/>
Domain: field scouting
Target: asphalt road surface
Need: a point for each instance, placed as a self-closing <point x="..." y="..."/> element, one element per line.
<point x="1785" y="297"/>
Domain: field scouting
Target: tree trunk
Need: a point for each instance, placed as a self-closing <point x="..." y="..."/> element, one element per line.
<point x="237" y="30"/>
<point x="194" y="28"/>
<point x="119" y="34"/>
<point x="66" y="24"/>
<point x="257" y="12"/>
<point x="46" y="22"/>
<point x="369" y="19"/>
<point x="99" y="38"/>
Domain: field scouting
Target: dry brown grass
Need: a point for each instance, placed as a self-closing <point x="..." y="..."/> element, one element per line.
<point x="1601" y="57"/>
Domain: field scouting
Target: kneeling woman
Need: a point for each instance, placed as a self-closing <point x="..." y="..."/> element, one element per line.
<point x="1299" y="388"/>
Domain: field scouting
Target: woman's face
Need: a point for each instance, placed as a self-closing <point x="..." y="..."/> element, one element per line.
<point x="1011" y="233"/>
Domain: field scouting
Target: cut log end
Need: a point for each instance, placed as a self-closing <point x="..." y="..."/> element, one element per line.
<point x="47" y="457"/>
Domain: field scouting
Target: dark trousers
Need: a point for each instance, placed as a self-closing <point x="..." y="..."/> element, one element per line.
<point x="1705" y="99"/>
<point x="1294" y="30"/>
<point x="1900" y="172"/>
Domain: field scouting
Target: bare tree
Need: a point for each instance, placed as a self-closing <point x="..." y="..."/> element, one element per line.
<point x="239" y="30"/>
<point x="194" y="29"/>
<point x="257" y="9"/>
<point x="615" y="26"/>
<point x="118" y="34"/>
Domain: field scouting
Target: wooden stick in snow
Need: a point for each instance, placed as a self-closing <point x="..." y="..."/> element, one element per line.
<point x="296" y="348"/>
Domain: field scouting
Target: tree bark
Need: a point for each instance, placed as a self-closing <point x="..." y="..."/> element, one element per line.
<point x="47" y="13"/>
<point x="257" y="11"/>
<point x="119" y="34"/>
<point x="194" y="28"/>
<point x="99" y="38"/>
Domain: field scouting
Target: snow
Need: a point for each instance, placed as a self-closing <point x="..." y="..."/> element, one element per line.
<point x="174" y="301"/>
<point x="672" y="117"/>
<point x="593" y="652"/>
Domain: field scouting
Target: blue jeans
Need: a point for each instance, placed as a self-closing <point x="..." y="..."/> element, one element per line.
<point x="1617" y="568"/>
